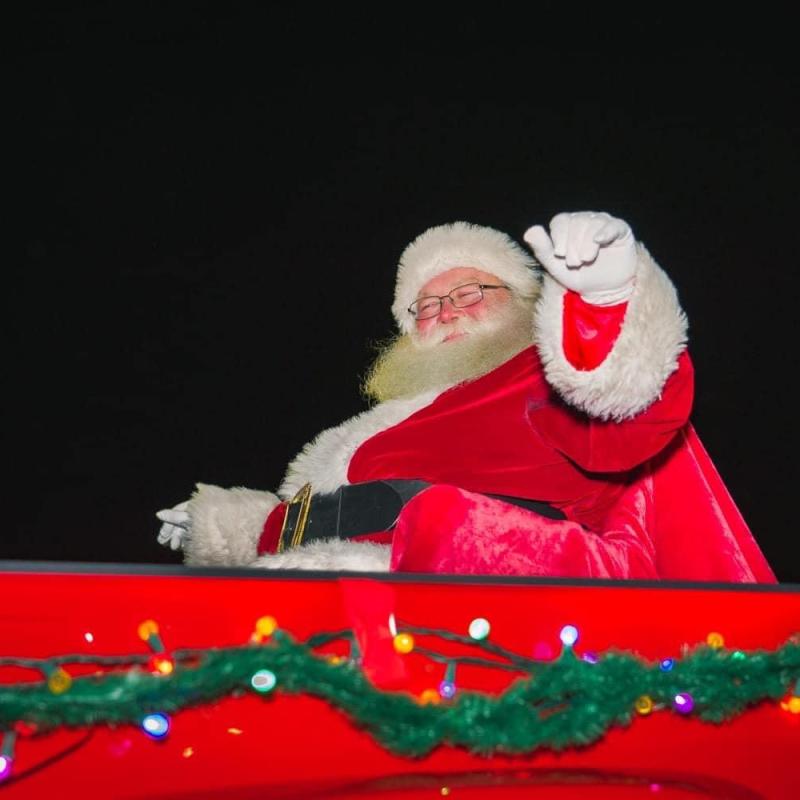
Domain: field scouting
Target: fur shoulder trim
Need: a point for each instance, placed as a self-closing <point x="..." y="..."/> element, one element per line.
<point x="331" y="554"/>
<point x="226" y="525"/>
<point x="324" y="461"/>
<point x="653" y="335"/>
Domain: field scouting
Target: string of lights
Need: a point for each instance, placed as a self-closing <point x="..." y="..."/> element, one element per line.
<point x="571" y="700"/>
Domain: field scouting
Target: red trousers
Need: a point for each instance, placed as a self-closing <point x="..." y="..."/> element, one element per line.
<point x="449" y="530"/>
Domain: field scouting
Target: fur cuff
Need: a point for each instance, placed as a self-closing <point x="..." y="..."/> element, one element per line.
<point x="646" y="352"/>
<point x="331" y="554"/>
<point x="226" y="525"/>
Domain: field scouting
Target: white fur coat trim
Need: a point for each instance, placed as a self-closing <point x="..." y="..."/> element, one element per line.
<point x="653" y="335"/>
<point x="331" y="554"/>
<point x="226" y="525"/>
<point x="324" y="462"/>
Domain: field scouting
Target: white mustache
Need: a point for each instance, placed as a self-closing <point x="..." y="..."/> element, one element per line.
<point x="461" y="325"/>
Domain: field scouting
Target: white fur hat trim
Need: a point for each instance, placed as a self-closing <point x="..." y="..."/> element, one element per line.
<point x="459" y="244"/>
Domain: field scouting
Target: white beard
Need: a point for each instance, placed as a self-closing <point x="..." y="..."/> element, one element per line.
<point x="408" y="365"/>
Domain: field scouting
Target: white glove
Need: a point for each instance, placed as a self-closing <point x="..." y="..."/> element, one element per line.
<point x="177" y="527"/>
<point x="593" y="254"/>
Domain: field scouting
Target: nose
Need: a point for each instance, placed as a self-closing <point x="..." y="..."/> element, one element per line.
<point x="449" y="312"/>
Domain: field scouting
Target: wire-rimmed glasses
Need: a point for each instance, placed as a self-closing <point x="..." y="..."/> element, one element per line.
<point x="461" y="297"/>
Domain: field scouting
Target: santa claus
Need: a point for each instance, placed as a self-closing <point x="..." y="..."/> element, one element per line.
<point x="525" y="422"/>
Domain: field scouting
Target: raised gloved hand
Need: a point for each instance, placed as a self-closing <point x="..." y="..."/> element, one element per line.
<point x="591" y="253"/>
<point x="177" y="527"/>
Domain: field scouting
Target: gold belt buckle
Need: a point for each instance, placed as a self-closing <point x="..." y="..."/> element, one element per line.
<point x="303" y="499"/>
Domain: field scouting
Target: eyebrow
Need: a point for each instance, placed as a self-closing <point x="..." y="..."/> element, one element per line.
<point x="464" y="282"/>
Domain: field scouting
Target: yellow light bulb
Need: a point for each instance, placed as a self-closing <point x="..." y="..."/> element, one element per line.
<point x="164" y="665"/>
<point x="643" y="704"/>
<point x="404" y="642"/>
<point x="147" y="629"/>
<point x="266" y="626"/>
<point x="59" y="681"/>
<point x="792" y="705"/>
<point x="715" y="640"/>
<point x="430" y="697"/>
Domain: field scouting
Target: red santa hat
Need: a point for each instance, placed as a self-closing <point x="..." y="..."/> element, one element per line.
<point x="460" y="244"/>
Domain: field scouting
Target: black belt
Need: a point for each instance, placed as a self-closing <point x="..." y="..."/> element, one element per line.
<point x="362" y="508"/>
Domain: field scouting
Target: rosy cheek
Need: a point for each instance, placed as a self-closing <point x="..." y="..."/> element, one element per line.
<point x="424" y="325"/>
<point x="476" y="312"/>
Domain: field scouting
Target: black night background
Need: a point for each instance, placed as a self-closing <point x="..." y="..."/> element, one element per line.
<point x="215" y="198"/>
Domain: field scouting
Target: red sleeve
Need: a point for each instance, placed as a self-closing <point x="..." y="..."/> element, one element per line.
<point x="589" y="331"/>
<point x="609" y="446"/>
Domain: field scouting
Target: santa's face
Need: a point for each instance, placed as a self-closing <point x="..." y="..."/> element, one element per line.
<point x="454" y="323"/>
<point x="456" y="345"/>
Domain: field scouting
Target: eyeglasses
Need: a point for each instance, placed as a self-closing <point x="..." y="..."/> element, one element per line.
<point x="461" y="297"/>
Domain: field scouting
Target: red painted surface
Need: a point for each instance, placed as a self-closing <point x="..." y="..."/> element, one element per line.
<point x="291" y="747"/>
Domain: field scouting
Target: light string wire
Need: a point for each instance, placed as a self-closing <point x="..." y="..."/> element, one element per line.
<point x="567" y="702"/>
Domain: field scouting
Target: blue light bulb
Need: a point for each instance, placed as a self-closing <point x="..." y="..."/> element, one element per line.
<point x="156" y="725"/>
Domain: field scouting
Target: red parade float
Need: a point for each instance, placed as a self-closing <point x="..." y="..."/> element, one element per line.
<point x="291" y="743"/>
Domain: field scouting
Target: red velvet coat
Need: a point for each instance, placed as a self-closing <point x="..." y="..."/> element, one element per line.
<point x="642" y="498"/>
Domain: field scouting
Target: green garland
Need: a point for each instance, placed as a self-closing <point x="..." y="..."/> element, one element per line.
<point x="561" y="703"/>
